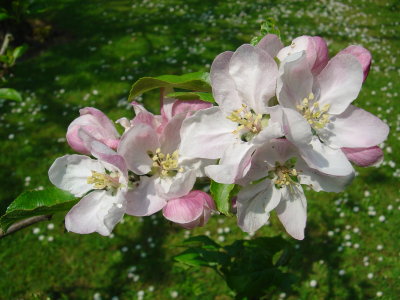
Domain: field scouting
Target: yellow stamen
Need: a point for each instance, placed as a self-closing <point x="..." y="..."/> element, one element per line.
<point x="167" y="164"/>
<point x="317" y="117"/>
<point x="102" y="181"/>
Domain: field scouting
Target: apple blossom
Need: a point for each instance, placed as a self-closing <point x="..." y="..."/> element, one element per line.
<point x="243" y="83"/>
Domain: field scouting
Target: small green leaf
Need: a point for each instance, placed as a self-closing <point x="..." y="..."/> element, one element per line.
<point x="268" y="27"/>
<point x="10" y="94"/>
<point x="19" y="51"/>
<point x="37" y="203"/>
<point x="208" y="97"/>
<point x="222" y="194"/>
<point x="202" y="241"/>
<point x="197" y="81"/>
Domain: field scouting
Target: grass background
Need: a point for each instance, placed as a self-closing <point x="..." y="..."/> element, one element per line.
<point x="98" y="50"/>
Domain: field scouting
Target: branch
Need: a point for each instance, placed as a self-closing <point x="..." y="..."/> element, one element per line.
<point x="24" y="223"/>
<point x="6" y="41"/>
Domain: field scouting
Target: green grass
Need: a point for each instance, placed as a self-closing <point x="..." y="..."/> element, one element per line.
<point x="105" y="46"/>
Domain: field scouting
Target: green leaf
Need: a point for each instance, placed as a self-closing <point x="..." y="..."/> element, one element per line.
<point x="197" y="81"/>
<point x="222" y="194"/>
<point x="3" y="14"/>
<point x="202" y="241"/>
<point x="19" y="51"/>
<point x="208" y="97"/>
<point x="10" y="94"/>
<point x="268" y="27"/>
<point x="37" y="203"/>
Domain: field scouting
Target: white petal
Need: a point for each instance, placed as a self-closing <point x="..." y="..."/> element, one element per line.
<point x="99" y="212"/>
<point x="70" y="173"/>
<point x="326" y="160"/>
<point x="322" y="182"/>
<point x="340" y="82"/>
<point x="254" y="72"/>
<point x="134" y="147"/>
<point x="295" y="80"/>
<point x="144" y="200"/>
<point x="355" y="128"/>
<point x="223" y="86"/>
<point x="233" y="165"/>
<point x="273" y="130"/>
<point x="271" y="44"/>
<point x="206" y="134"/>
<point x="292" y="211"/>
<point x="254" y="203"/>
<point x="176" y="186"/>
<point x="296" y="128"/>
<point x="170" y="138"/>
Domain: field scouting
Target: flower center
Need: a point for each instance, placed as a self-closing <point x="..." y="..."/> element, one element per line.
<point x="317" y="117"/>
<point x="249" y="123"/>
<point x="167" y="164"/>
<point x="284" y="175"/>
<point x="102" y="181"/>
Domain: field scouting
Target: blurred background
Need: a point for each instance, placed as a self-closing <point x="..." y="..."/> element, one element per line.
<point x="88" y="53"/>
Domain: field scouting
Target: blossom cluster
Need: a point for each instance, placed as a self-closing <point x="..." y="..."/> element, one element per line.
<point x="283" y="119"/>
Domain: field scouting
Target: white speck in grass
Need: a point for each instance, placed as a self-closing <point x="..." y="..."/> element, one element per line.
<point x="342" y="272"/>
<point x="370" y="275"/>
<point x="366" y="263"/>
<point x="390" y="207"/>
<point x="382" y="218"/>
<point x="124" y="249"/>
<point x="313" y="283"/>
<point x="114" y="298"/>
<point x="367" y="194"/>
<point x="50" y="226"/>
<point x="321" y="262"/>
<point x="207" y="233"/>
<point x="220" y="230"/>
<point x="28" y="178"/>
<point x="330" y="233"/>
<point x="356" y="209"/>
<point x="138" y="247"/>
<point x="340" y="249"/>
<point x="227" y="230"/>
<point x="143" y="254"/>
<point x="11" y="136"/>
<point x="282" y="295"/>
<point x="342" y="214"/>
<point x="136" y="278"/>
<point x="97" y="296"/>
<point x="356" y="246"/>
<point x="41" y="237"/>
<point x="50" y="238"/>
<point x="347" y="237"/>
<point x="36" y="230"/>
<point x="221" y="238"/>
<point x="151" y="289"/>
<point x="379" y="294"/>
<point x="95" y="92"/>
<point x="356" y="230"/>
<point x="174" y="294"/>
<point x="111" y="236"/>
<point x="140" y="293"/>
<point x="379" y="247"/>
<point x="380" y="258"/>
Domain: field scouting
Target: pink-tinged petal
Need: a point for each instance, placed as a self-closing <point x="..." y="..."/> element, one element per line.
<point x="134" y="147"/>
<point x="143" y="116"/>
<point x="143" y="200"/>
<point x="271" y="44"/>
<point x="322" y="182"/>
<point x="364" y="157"/>
<point x="223" y="86"/>
<point x="255" y="73"/>
<point x="296" y="128"/>
<point x="355" y="128"/>
<point x="299" y="44"/>
<point x="321" y="54"/>
<point x="206" y="134"/>
<point x="233" y="165"/>
<point x="295" y="80"/>
<point x="325" y="159"/>
<point x="171" y="138"/>
<point x="95" y="123"/>
<point x="70" y="173"/>
<point x="189" y="106"/>
<point x="177" y="186"/>
<point x="99" y="212"/>
<point x="188" y="208"/>
<point x="340" y="82"/>
<point x="273" y="130"/>
<point x="292" y="211"/>
<point x="254" y="203"/>
<point x="363" y="56"/>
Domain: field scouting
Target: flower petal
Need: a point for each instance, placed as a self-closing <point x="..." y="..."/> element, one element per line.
<point x="143" y="200"/>
<point x="134" y="147"/>
<point x="206" y="134"/>
<point x="189" y="106"/>
<point x="223" y="86"/>
<point x="254" y="72"/>
<point x="99" y="212"/>
<point x="233" y="165"/>
<point x="292" y="211"/>
<point x="254" y="203"/>
<point x="340" y="82"/>
<point x="177" y="186"/>
<point x="70" y="173"/>
<point x="295" y="80"/>
<point x="171" y="138"/>
<point x="363" y="56"/>
<point x="355" y="128"/>
<point x="295" y="127"/>
<point x="364" y="157"/>
<point x="321" y="54"/>
<point x="271" y="44"/>
<point x="325" y="159"/>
